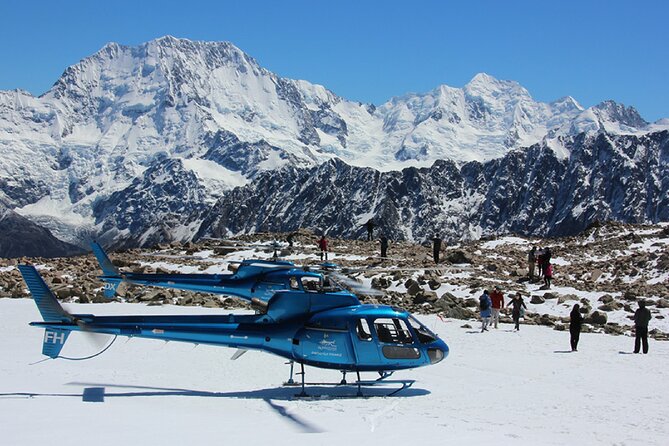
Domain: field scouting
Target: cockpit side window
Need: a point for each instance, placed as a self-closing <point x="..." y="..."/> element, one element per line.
<point x="294" y="285"/>
<point x="362" y="330"/>
<point x="311" y="283"/>
<point x="425" y="336"/>
<point x="393" y="331"/>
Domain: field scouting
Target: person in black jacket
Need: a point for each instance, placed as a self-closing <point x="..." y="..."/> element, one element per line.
<point x="384" y="245"/>
<point x="517" y="304"/>
<point x="575" y="322"/>
<point x="436" y="247"/>
<point x="641" y="318"/>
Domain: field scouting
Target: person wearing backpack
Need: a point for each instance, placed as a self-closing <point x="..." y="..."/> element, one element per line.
<point x="485" y="305"/>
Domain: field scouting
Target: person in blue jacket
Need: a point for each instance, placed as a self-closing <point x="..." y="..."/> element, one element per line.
<point x="485" y="306"/>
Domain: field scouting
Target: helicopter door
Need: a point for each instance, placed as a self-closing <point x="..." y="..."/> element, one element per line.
<point x="366" y="350"/>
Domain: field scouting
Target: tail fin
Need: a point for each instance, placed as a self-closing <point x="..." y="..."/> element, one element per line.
<point x="110" y="288"/>
<point x="49" y="308"/>
<point x="107" y="266"/>
<point x="54" y="340"/>
<point x="46" y="302"/>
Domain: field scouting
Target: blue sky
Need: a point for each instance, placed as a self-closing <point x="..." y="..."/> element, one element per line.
<point x="372" y="50"/>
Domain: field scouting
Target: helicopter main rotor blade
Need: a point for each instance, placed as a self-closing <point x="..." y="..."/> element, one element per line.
<point x="355" y="285"/>
<point x="238" y="354"/>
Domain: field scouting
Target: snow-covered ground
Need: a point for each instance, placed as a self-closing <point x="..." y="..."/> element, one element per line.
<point x="499" y="387"/>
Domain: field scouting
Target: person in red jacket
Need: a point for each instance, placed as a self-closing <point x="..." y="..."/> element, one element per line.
<point x="323" y="246"/>
<point x="497" y="299"/>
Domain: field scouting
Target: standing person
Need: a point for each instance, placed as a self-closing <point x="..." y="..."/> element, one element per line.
<point x="531" y="261"/>
<point x="323" y="246"/>
<point x="484" y="305"/>
<point x="547" y="255"/>
<point x="517" y="304"/>
<point x="436" y="248"/>
<point x="497" y="299"/>
<point x="641" y="318"/>
<point x="540" y="261"/>
<point x="384" y="245"/>
<point x="548" y="275"/>
<point x="370" y="225"/>
<point x="575" y="322"/>
<point x="290" y="239"/>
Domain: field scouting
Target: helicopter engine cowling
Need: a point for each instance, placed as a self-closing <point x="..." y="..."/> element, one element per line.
<point x="287" y="305"/>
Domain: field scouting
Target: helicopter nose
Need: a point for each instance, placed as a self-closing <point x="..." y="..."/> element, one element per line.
<point x="437" y="352"/>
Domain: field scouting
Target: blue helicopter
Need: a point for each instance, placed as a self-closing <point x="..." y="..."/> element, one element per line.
<point x="320" y="328"/>
<point x="254" y="281"/>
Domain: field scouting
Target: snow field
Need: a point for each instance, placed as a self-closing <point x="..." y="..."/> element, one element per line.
<point x="500" y="386"/>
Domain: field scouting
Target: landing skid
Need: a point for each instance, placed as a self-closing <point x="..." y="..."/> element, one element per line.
<point x="382" y="379"/>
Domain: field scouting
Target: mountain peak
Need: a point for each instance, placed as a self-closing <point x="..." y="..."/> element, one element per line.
<point x="613" y="111"/>
<point x="484" y="84"/>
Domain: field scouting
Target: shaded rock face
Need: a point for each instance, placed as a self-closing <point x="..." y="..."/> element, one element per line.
<point x="530" y="192"/>
<point x="153" y="209"/>
<point x="20" y="237"/>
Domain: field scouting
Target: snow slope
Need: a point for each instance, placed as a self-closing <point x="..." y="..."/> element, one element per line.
<point x="500" y="387"/>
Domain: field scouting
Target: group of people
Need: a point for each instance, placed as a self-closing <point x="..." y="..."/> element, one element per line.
<point x="539" y="261"/>
<point x="491" y="304"/>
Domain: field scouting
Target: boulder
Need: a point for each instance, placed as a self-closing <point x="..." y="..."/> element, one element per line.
<point x="434" y="284"/>
<point x="611" y="306"/>
<point x="550" y="296"/>
<point x="629" y="296"/>
<point x="595" y="274"/>
<point x="425" y="296"/>
<point x="597" y="318"/>
<point x="567" y="297"/>
<point x="459" y="256"/>
<point x="537" y="300"/>
<point x="605" y="299"/>
<point x="413" y="287"/>
<point x="546" y="320"/>
<point x="662" y="303"/>
<point x="471" y="303"/>
<point x="381" y="283"/>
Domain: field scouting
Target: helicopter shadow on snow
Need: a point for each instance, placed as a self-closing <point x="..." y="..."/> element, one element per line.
<point x="99" y="392"/>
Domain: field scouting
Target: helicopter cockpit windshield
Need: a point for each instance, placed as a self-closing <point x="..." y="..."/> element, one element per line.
<point x="425" y="336"/>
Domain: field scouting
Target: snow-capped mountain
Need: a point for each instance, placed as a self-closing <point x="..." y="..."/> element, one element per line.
<point x="210" y="115"/>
